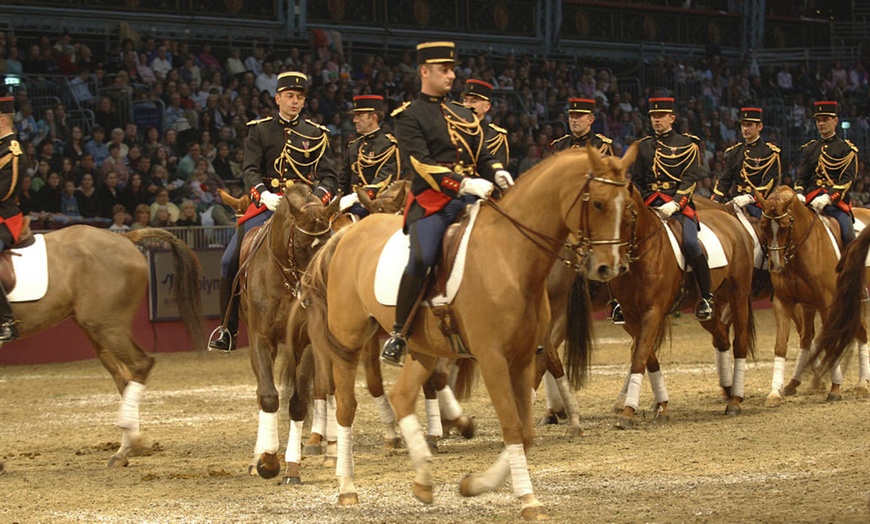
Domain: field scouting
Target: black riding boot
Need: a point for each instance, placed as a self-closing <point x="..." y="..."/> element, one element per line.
<point x="704" y="308"/>
<point x="409" y="289"/>
<point x="8" y="331"/>
<point x="226" y="339"/>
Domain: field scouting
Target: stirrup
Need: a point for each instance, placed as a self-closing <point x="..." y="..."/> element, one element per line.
<point x="704" y="309"/>
<point x="616" y="315"/>
<point x="221" y="339"/>
<point x="394" y="349"/>
<point x="8" y="331"/>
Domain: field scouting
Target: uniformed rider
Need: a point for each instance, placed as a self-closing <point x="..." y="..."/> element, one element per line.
<point x="666" y="172"/>
<point x="444" y="145"/>
<point x="279" y="152"/>
<point x="477" y="96"/>
<point x="752" y="165"/>
<point x="372" y="160"/>
<point x="11" y="218"/>
<point x="827" y="170"/>
<point x="581" y="116"/>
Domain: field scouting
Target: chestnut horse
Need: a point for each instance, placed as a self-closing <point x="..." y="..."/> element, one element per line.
<point x="501" y="308"/>
<point x="98" y="278"/>
<point x="802" y="260"/>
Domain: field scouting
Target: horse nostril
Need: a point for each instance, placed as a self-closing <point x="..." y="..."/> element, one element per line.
<point x="603" y="271"/>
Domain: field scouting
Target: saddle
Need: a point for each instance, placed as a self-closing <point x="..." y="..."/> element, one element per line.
<point x="7" y="271"/>
<point x="449" y="249"/>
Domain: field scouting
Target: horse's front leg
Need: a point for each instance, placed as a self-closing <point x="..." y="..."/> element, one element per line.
<point x="265" y="462"/>
<point x="804" y="318"/>
<point x="782" y="312"/>
<point x="452" y="415"/>
<point x="344" y="374"/>
<point x="660" y="391"/>
<point x="403" y="397"/>
<point x="642" y="345"/>
<point x="862" y="389"/>
<point x="375" y="382"/>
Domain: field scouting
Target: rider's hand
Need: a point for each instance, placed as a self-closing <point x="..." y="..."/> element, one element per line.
<point x="479" y="187"/>
<point x="503" y="179"/>
<point x="743" y="200"/>
<point x="270" y="200"/>
<point x="669" y="209"/>
<point x="348" y="201"/>
<point x="802" y="198"/>
<point x="820" y="202"/>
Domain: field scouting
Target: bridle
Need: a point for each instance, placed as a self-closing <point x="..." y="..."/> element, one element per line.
<point x="584" y="244"/>
<point x="290" y="269"/>
<point x="789" y="249"/>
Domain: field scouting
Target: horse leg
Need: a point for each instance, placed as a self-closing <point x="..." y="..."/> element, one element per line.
<point x="619" y="403"/>
<point x="804" y="318"/>
<point x="435" y="431"/>
<point x="298" y="408"/>
<point x="643" y="343"/>
<point x="344" y="374"/>
<point x="403" y="396"/>
<point x="835" y="395"/>
<point x="863" y="387"/>
<point x="265" y="461"/>
<point x="722" y="350"/>
<point x="660" y="392"/>
<point x="322" y="384"/>
<point x="451" y="412"/>
<point x="375" y="383"/>
<point x="782" y="312"/>
<point x="330" y="455"/>
<point x="742" y="321"/>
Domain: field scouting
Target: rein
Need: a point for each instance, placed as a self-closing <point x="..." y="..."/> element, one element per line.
<point x="581" y="247"/>
<point x="789" y="249"/>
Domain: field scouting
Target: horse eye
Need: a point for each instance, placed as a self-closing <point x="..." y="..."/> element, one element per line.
<point x="598" y="205"/>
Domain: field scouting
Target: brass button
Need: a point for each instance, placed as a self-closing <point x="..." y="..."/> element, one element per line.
<point x="274" y="182"/>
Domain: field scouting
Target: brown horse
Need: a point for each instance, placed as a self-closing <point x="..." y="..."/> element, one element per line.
<point x="802" y="270"/>
<point x="98" y="278"/>
<point x="274" y="256"/>
<point x="501" y="308"/>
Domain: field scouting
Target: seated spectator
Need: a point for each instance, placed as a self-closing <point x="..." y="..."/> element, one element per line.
<point x="188" y="214"/>
<point x="160" y="179"/>
<point x="161" y="64"/>
<point x="119" y="219"/>
<point x="234" y="64"/>
<point x="106" y="116"/>
<point x="141" y="217"/>
<point x="88" y="166"/>
<point x="88" y="200"/>
<point x="25" y="124"/>
<point x="49" y="196"/>
<point x="75" y="147"/>
<point x="222" y="164"/>
<point x="80" y="88"/>
<point x="162" y="200"/>
<point x="162" y="218"/>
<point x="29" y="204"/>
<point x="96" y="146"/>
<point x="40" y="177"/>
<point x="69" y="205"/>
<point x="109" y="195"/>
<point x="187" y="163"/>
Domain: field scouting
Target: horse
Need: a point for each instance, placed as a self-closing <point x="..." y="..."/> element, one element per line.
<point x="501" y="308"/>
<point x="274" y="256"/>
<point x="98" y="278"/>
<point x="802" y="261"/>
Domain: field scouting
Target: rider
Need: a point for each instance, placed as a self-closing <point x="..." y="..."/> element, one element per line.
<point x="476" y="96"/>
<point x="827" y="169"/>
<point x="581" y="116"/>
<point x="372" y="160"/>
<point x="666" y="171"/>
<point x="441" y="141"/>
<point x="279" y="152"/>
<point x="753" y="165"/>
<point x="11" y="218"/>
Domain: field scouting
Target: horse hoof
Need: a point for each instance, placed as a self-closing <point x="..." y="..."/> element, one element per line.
<point x="732" y="410"/>
<point x="423" y="493"/>
<point x="465" y="486"/>
<point x="617" y="408"/>
<point x="834" y="397"/>
<point x="535" y="513"/>
<point x="661" y="418"/>
<point x="2" y="468"/>
<point x="623" y="422"/>
<point x="268" y="466"/>
<point x="312" y="450"/>
<point x="329" y="462"/>
<point x="862" y="390"/>
<point x="392" y="443"/>
<point x="348" y="499"/>
<point x="573" y="431"/>
<point x="773" y="401"/>
<point x="789" y="391"/>
<point x="117" y="462"/>
<point x="465" y="425"/>
<point x="291" y="481"/>
<point x="432" y="441"/>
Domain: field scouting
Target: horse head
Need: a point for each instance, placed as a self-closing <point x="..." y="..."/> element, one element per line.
<point x="390" y="200"/>
<point x="777" y="225"/>
<point x="607" y="203"/>
<point x="302" y="224"/>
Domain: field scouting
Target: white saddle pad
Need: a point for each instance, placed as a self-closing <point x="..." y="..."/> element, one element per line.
<point x="31" y="271"/>
<point x="759" y="261"/>
<point x="709" y="240"/>
<point x="394" y="258"/>
<point x="859" y="226"/>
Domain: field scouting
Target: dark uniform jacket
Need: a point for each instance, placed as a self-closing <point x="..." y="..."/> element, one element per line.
<point x="497" y="143"/>
<point x="668" y="167"/>
<point x="827" y="166"/>
<point x="442" y="143"/>
<point x="371" y="162"/>
<point x="279" y="154"/>
<point x="11" y="219"/>
<point x="570" y="141"/>
<point x="752" y="167"/>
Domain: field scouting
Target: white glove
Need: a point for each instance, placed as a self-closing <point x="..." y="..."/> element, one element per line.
<point x="348" y="201"/>
<point x="270" y="200"/>
<point x="820" y="202"/>
<point x="743" y="200"/>
<point x="479" y="187"/>
<point x="669" y="209"/>
<point x="503" y="179"/>
<point x="802" y="198"/>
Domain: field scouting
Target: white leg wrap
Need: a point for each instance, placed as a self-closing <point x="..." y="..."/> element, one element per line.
<point x="418" y="449"/>
<point x="128" y="413"/>
<point x="801" y="364"/>
<point x="657" y="383"/>
<point x="294" y="443"/>
<point x="568" y="398"/>
<point x="433" y="418"/>
<point x="837" y="375"/>
<point x="739" y="378"/>
<point x="331" y="424"/>
<point x="863" y="363"/>
<point x="450" y="408"/>
<point x="494" y="477"/>
<point x="723" y="366"/>
<point x="388" y="416"/>
<point x="318" y="417"/>
<point x="519" y="470"/>
<point x="554" y="398"/>
<point x="778" y="374"/>
<point x="344" y="464"/>
<point x="267" y="434"/>
<point x="632" y="395"/>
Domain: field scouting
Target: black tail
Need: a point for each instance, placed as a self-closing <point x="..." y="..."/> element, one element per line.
<point x="578" y="344"/>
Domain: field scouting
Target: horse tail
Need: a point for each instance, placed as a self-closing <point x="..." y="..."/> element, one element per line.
<point x="314" y="282"/>
<point x="186" y="282"/>
<point x="578" y="343"/>
<point x="465" y="378"/>
<point x="846" y="314"/>
<point x="750" y="327"/>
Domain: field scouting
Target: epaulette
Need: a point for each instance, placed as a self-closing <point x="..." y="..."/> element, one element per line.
<point x="399" y="109"/>
<point x="357" y="139"/>
<point x="738" y="144"/>
<point x="321" y="127"/>
<point x="853" y="146"/>
<point x="391" y="138"/>
<point x="563" y="137"/>
<point x="604" y="138"/>
<point x="642" y="139"/>
<point x="259" y="120"/>
<point x="693" y="137"/>
<point x="15" y="148"/>
<point x="499" y="129"/>
<point x="773" y="147"/>
<point x="808" y="143"/>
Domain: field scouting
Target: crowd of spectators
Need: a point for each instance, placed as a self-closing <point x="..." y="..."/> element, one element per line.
<point x="111" y="174"/>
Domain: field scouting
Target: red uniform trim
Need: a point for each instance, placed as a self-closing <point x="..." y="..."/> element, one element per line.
<point x="251" y="212"/>
<point x="14" y="225"/>
<point x="689" y="211"/>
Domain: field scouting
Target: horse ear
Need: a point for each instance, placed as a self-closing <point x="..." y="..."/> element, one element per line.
<point x="760" y="198"/>
<point x="333" y="206"/>
<point x="364" y="200"/>
<point x="594" y="158"/>
<point x="629" y="157"/>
